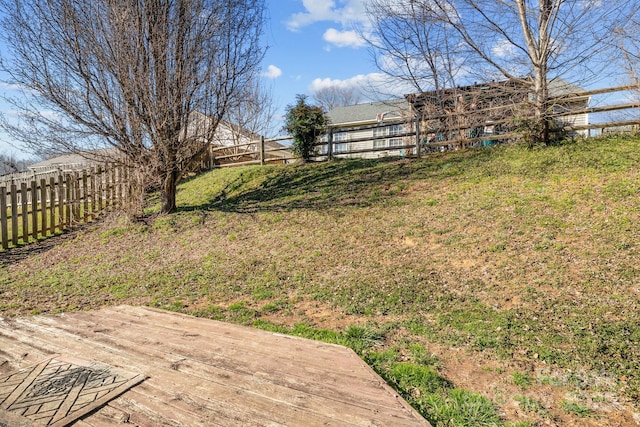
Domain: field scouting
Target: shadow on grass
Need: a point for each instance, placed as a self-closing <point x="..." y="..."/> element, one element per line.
<point x="316" y="186"/>
<point x="16" y="254"/>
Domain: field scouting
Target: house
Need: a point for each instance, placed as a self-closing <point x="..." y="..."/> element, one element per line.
<point x="479" y="114"/>
<point x="567" y="102"/>
<point x="74" y="161"/>
<point x="370" y="130"/>
<point x="229" y="144"/>
<point x="485" y="113"/>
<point x="232" y="143"/>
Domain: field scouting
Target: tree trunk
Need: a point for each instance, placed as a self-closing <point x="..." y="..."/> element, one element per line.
<point x="540" y="105"/>
<point x="168" y="192"/>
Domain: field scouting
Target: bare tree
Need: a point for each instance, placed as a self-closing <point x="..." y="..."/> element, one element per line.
<point x="249" y="116"/>
<point x="9" y="163"/>
<point x="411" y="44"/>
<point x="130" y="75"/>
<point x="330" y="97"/>
<point x="629" y="44"/>
<point x="528" y="42"/>
<point x="418" y="52"/>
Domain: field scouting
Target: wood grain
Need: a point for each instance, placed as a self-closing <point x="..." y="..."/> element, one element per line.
<point x="202" y="372"/>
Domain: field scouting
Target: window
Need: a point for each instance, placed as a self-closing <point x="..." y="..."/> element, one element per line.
<point x="339" y="140"/>
<point x="384" y="131"/>
<point x="395" y="130"/>
<point x="380" y="143"/>
<point x="380" y="131"/>
<point x="340" y="137"/>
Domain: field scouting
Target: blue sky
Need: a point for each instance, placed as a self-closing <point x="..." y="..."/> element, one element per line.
<point x="313" y="44"/>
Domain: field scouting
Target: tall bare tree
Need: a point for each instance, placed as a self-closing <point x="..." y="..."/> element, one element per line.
<point x="530" y="42"/>
<point x="330" y="97"/>
<point x="412" y="45"/>
<point x="629" y="45"/>
<point x="129" y="75"/>
<point x="249" y="116"/>
<point x="9" y="163"/>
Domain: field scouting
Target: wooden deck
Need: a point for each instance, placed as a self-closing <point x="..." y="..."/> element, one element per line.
<point x="201" y="372"/>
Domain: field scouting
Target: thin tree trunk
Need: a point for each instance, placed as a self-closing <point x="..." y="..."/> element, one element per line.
<point x="168" y="192"/>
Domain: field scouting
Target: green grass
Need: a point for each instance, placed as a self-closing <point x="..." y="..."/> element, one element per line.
<point x="522" y="380"/>
<point x="516" y="264"/>
<point x="577" y="409"/>
<point x="42" y="234"/>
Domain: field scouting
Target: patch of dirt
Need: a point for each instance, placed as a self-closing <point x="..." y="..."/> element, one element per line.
<point x="493" y="379"/>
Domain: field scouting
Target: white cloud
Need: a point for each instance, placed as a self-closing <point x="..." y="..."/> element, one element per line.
<point x="353" y="82"/>
<point x="10" y="86"/>
<point x="348" y="11"/>
<point x="503" y="49"/>
<point x="343" y="38"/>
<point x="372" y="85"/>
<point x="272" y="72"/>
<point x="315" y="10"/>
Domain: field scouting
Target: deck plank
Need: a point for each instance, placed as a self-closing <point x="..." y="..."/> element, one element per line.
<point x="275" y="398"/>
<point x="204" y="372"/>
<point x="165" y="377"/>
<point x="217" y="362"/>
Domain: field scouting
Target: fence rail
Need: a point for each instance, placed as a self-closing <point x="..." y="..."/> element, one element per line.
<point x="35" y="205"/>
<point x="420" y="136"/>
<point x="46" y="205"/>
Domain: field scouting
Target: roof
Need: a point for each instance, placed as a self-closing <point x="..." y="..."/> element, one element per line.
<point x="81" y="159"/>
<point x="368" y="112"/>
<point x="560" y="88"/>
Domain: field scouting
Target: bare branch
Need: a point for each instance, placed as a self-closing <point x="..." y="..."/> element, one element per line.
<point x="331" y="97"/>
<point x="129" y="75"/>
<point x="440" y="44"/>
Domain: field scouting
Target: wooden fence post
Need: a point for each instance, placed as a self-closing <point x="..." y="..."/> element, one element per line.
<point x="34" y="209"/>
<point x="76" y="197"/>
<point x="85" y="196"/>
<point x="43" y="207"/>
<point x="92" y="191"/>
<point x="3" y="217"/>
<point x="100" y="189"/>
<point x="107" y="187"/>
<point x="25" y="212"/>
<point x="67" y="199"/>
<point x="127" y="193"/>
<point x="113" y="193"/>
<point x="418" y="142"/>
<point x="262" y="150"/>
<point x="14" y="214"/>
<point x="61" y="219"/>
<point x="121" y="190"/>
<point x="52" y="205"/>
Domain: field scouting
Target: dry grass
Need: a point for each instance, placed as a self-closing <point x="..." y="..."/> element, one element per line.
<point x="511" y="273"/>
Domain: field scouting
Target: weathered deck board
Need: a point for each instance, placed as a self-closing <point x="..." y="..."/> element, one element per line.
<point x="186" y="364"/>
<point x="206" y="373"/>
<point x="229" y="360"/>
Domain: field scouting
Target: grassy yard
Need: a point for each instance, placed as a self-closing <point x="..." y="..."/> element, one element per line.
<point x="490" y="287"/>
